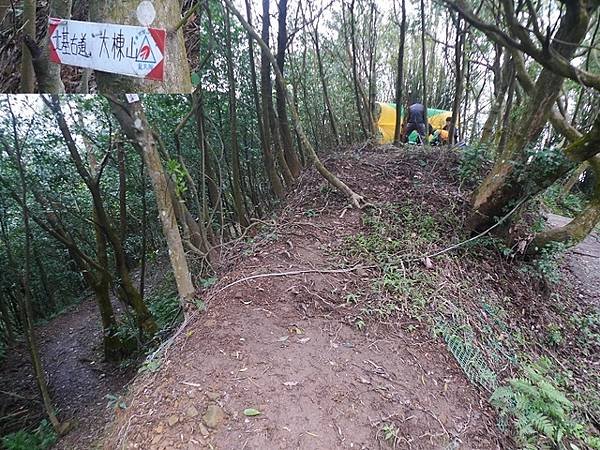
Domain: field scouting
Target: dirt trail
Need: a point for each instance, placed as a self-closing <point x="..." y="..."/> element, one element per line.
<point x="583" y="261"/>
<point x="282" y="345"/>
<point x="78" y="378"/>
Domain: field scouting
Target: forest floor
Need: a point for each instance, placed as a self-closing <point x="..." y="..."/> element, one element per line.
<point x="70" y="346"/>
<point x="357" y="347"/>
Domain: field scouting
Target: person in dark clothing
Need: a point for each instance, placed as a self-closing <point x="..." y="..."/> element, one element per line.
<point x="447" y="128"/>
<point x="417" y="119"/>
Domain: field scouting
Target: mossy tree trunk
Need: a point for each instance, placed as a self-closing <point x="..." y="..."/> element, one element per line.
<point x="578" y="228"/>
<point x="511" y="179"/>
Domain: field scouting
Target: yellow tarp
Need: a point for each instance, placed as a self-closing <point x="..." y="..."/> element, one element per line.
<point x="387" y="119"/>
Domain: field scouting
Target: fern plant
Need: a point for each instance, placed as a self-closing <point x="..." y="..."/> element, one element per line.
<point x="541" y="414"/>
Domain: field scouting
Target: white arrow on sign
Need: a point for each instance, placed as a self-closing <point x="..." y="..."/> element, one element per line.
<point x="122" y="49"/>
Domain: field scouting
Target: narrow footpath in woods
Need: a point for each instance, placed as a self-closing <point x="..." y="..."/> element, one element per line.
<point x="582" y="261"/>
<point x="287" y="354"/>
<point x="280" y="345"/>
<point x="79" y="379"/>
<point x="287" y="335"/>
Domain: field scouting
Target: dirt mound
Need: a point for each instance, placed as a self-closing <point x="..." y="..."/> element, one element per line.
<point x="288" y="346"/>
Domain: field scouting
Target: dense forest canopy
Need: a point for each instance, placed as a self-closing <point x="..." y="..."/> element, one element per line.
<point x="95" y="188"/>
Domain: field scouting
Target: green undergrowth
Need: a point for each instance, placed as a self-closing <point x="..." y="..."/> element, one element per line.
<point x="41" y="438"/>
<point x="485" y="304"/>
<point x="163" y="303"/>
<point x="567" y="205"/>
<point x="538" y="411"/>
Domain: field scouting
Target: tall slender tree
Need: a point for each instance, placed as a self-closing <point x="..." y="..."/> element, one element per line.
<point x="400" y="75"/>
<point x="133" y="120"/>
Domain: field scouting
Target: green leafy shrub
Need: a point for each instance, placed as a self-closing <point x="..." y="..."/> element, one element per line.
<point x="554" y="336"/>
<point x="178" y="175"/>
<point x="473" y="158"/>
<point x="41" y="438"/>
<point x="565" y="205"/>
<point x="546" y="264"/>
<point x="541" y="414"/>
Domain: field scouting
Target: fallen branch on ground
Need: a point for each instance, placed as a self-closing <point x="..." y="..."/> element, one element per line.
<point x="291" y="273"/>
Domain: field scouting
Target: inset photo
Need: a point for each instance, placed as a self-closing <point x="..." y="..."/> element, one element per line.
<point x="87" y="46"/>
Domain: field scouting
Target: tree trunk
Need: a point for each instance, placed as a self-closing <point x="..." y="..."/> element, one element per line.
<point x="505" y="184"/>
<point x="355" y="77"/>
<point x="399" y="77"/>
<point x="277" y="141"/>
<point x="48" y="73"/>
<point x="122" y="192"/>
<point x="202" y="230"/>
<point x="265" y="91"/>
<point x="238" y="196"/>
<point x="44" y="279"/>
<point x="326" y="99"/>
<point x="572" y="181"/>
<point x="29" y="29"/>
<point x="506" y="122"/>
<point x="144" y="227"/>
<point x="291" y="157"/>
<point x="459" y="80"/>
<point x="578" y="228"/>
<point x="132" y="118"/>
<point x="355" y="199"/>
<point x="254" y="84"/>
<point x="7" y="323"/>
<point x="177" y="77"/>
<point x="114" y="348"/>
<point x="499" y="193"/>
<point x="505" y="77"/>
<point x="424" y="67"/>
<point x="372" y="94"/>
<point x="144" y="318"/>
<point x="210" y="174"/>
<point x="25" y="299"/>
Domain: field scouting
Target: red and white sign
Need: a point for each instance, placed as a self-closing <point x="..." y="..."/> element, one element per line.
<point x="122" y="49"/>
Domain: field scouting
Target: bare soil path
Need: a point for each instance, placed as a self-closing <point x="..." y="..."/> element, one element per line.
<point x="282" y="345"/>
<point x="78" y="378"/>
<point x="583" y="261"/>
